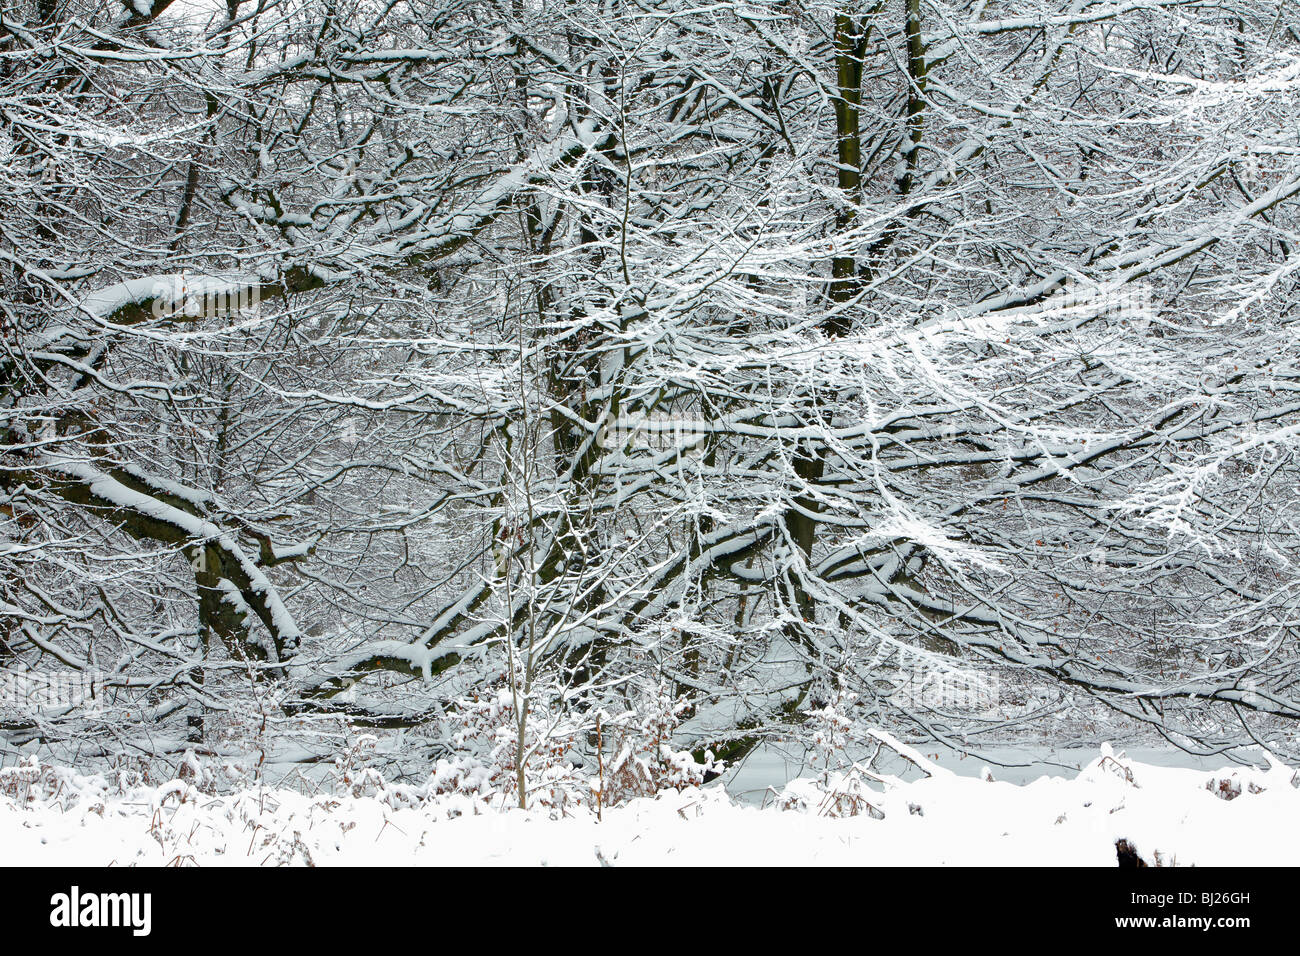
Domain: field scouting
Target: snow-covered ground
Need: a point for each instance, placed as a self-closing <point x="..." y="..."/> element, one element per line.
<point x="774" y="764"/>
<point x="1172" y="815"/>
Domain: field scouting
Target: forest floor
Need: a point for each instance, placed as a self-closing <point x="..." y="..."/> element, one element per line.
<point x="1171" y="816"/>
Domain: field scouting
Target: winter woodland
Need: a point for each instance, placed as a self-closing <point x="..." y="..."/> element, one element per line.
<point x="562" y="400"/>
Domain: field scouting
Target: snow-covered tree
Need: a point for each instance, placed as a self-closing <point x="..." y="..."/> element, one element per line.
<point x="768" y="348"/>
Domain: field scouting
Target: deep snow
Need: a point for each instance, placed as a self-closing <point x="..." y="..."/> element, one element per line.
<point x="1173" y="816"/>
